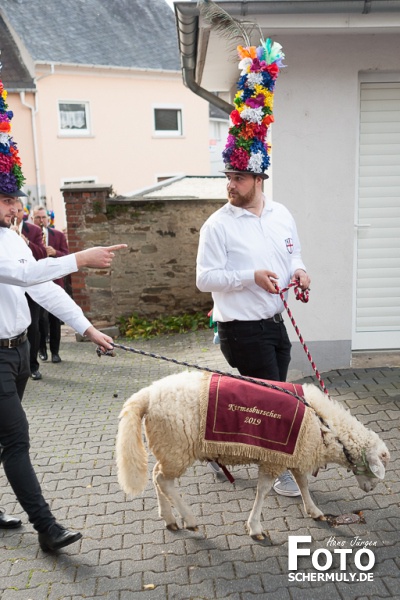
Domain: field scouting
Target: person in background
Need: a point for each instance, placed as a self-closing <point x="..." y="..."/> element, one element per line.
<point x="251" y="245"/>
<point x="32" y="236"/>
<point x="56" y="245"/>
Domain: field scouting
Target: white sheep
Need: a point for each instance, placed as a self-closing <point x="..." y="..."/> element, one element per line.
<point x="171" y="410"/>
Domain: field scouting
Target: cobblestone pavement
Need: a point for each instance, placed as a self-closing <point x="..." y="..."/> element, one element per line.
<point x="126" y="553"/>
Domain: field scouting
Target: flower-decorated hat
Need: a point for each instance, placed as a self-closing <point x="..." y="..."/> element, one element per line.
<point x="11" y="177"/>
<point x="246" y="149"/>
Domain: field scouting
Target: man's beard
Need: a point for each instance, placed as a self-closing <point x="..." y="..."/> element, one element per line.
<point x="243" y="200"/>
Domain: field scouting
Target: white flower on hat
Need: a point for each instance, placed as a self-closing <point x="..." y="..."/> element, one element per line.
<point x="4" y="138"/>
<point x="253" y="115"/>
<point x="255" y="162"/>
<point x="254" y="79"/>
<point x="244" y="64"/>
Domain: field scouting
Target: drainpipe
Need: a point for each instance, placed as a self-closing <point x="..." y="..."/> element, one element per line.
<point x="189" y="80"/>
<point x="34" y="110"/>
<point x="187" y="24"/>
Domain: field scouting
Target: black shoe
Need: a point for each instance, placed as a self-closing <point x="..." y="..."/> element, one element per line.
<point x="43" y="354"/>
<point x="55" y="358"/>
<point x="7" y="522"/>
<point x="36" y="375"/>
<point x="57" y="537"/>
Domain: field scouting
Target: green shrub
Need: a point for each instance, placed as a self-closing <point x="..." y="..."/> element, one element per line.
<point x="135" y="327"/>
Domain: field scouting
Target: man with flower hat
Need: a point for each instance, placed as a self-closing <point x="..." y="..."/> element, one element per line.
<point x="19" y="271"/>
<point x="251" y="244"/>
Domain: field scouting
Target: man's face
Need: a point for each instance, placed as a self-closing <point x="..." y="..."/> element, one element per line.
<point x="8" y="210"/>
<point x="241" y="189"/>
<point x="40" y="218"/>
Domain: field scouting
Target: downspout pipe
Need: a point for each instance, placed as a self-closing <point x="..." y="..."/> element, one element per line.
<point x="189" y="81"/>
<point x="187" y="27"/>
<point x="34" y="110"/>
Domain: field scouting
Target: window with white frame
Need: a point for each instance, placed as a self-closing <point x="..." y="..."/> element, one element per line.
<point x="73" y="118"/>
<point x="167" y="121"/>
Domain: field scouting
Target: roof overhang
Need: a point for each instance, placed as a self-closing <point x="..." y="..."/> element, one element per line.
<point x="209" y="65"/>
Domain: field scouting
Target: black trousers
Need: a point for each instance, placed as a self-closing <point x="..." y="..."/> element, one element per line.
<point x="14" y="436"/>
<point x="256" y="348"/>
<point x="33" y="333"/>
<point x="49" y="326"/>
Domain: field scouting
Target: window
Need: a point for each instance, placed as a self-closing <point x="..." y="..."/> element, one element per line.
<point x="74" y="118"/>
<point x="168" y="121"/>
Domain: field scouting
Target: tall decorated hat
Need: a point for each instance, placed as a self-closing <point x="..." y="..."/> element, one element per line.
<point x="11" y="177"/>
<point x="247" y="150"/>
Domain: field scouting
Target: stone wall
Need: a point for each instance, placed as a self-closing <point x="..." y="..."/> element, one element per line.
<point x="155" y="275"/>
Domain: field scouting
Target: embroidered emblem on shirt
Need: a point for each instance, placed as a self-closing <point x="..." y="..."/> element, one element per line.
<point x="289" y="245"/>
<point x="22" y="260"/>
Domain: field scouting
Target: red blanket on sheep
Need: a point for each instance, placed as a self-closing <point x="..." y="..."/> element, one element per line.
<point x="243" y="417"/>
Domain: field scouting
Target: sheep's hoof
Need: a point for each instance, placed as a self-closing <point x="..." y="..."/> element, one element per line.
<point x="194" y="528"/>
<point x="172" y="527"/>
<point x="261" y="537"/>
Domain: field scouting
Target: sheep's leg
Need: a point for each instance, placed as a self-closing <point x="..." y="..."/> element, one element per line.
<point x="167" y="488"/>
<point x="264" y="485"/>
<point x="311" y="509"/>
<point x="164" y="506"/>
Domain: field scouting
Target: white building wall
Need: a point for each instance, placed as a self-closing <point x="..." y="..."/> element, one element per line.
<point x="315" y="173"/>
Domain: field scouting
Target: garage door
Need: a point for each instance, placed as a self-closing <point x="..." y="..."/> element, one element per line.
<point x="377" y="303"/>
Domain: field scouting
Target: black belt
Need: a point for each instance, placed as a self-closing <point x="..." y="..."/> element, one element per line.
<point x="276" y="319"/>
<point x="14" y="341"/>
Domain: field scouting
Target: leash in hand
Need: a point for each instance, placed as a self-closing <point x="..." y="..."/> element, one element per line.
<point x="302" y="295"/>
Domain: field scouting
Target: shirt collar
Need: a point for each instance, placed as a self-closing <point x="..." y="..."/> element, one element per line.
<point x="237" y="212"/>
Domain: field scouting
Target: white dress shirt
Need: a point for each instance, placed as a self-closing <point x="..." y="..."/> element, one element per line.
<point x="234" y="243"/>
<point x="16" y="278"/>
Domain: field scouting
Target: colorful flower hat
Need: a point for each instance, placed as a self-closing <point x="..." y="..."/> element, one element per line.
<point x="11" y="177"/>
<point x="246" y="149"/>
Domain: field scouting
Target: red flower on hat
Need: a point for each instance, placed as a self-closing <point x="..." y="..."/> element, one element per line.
<point x="15" y="155"/>
<point x="6" y="163"/>
<point x="273" y="70"/>
<point x="254" y="130"/>
<point x="268" y="119"/>
<point x="5" y="127"/>
<point x="236" y="118"/>
<point x="239" y="159"/>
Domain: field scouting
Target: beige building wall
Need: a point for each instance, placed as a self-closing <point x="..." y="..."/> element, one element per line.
<point x="122" y="148"/>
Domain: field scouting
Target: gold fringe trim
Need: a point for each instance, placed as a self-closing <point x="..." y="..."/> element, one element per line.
<point x="304" y="452"/>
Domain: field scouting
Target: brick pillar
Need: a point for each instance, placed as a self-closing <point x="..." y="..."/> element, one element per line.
<point x="85" y="204"/>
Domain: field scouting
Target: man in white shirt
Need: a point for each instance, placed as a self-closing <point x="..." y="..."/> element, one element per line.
<point x="245" y="248"/>
<point x="20" y="272"/>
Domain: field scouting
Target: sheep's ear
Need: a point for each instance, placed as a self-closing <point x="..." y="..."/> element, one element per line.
<point x="376" y="465"/>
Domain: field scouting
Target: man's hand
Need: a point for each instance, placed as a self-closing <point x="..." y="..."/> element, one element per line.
<point x="99" y="257"/>
<point x="50" y="251"/>
<point x="266" y="280"/>
<point x="99" y="338"/>
<point x="302" y="278"/>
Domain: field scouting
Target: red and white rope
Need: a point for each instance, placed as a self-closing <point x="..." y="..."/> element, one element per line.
<point x="302" y="295"/>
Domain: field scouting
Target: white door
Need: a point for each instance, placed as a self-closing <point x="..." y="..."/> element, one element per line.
<point x="377" y="303"/>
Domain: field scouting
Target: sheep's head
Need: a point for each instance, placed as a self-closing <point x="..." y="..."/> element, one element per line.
<point x="372" y="467"/>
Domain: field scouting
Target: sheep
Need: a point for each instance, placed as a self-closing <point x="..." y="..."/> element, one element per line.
<point x="171" y="409"/>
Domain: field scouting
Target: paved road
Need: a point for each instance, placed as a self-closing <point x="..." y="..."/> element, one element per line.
<point x="125" y="547"/>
